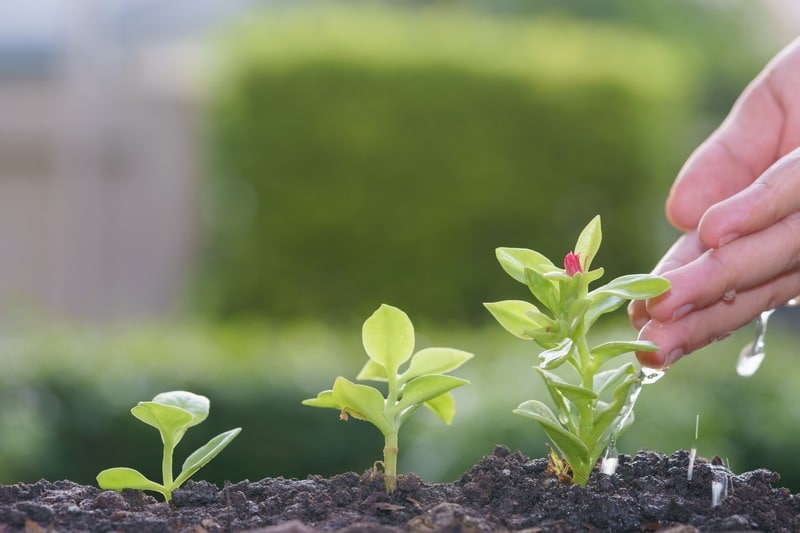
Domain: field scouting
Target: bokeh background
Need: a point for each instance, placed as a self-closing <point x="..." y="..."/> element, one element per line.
<point x="213" y="196"/>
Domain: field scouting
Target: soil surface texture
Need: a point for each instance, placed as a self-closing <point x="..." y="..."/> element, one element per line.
<point x="503" y="492"/>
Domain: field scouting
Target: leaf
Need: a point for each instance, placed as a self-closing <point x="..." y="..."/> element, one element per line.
<point x="555" y="357"/>
<point x="425" y="388"/>
<point x="545" y="290"/>
<point x="518" y="317"/>
<point x="323" y="399"/>
<point x="573" y="393"/>
<point x="434" y="361"/>
<point x="599" y="305"/>
<point x="362" y="402"/>
<point x="372" y="371"/>
<point x="610" y="379"/>
<point x="388" y="337"/>
<point x="196" y="404"/>
<point x="607" y="415"/>
<point x="172" y="422"/>
<point x="609" y="350"/>
<point x="515" y="260"/>
<point x="589" y="242"/>
<point x="200" y="457"/>
<point x="634" y="287"/>
<point x="443" y="406"/>
<point x="121" y="477"/>
<point x="568" y="444"/>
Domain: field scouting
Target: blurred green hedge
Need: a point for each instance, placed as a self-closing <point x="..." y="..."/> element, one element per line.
<point x="371" y="156"/>
<point x="65" y="398"/>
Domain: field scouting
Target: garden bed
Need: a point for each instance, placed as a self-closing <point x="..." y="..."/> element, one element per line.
<point x="503" y="491"/>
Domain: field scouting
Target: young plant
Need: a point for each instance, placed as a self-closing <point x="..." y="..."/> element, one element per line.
<point x="589" y="412"/>
<point x="171" y="413"/>
<point x="388" y="338"/>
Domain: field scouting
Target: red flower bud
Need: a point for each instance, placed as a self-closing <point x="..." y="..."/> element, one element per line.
<point x="572" y="264"/>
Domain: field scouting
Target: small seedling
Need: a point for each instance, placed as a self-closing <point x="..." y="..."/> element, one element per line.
<point x="588" y="412"/>
<point x="388" y="338"/>
<point x="171" y="413"/>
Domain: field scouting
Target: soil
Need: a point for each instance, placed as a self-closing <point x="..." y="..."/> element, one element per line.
<point x="504" y="492"/>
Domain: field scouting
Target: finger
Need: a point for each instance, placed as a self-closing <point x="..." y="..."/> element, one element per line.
<point x="714" y="322"/>
<point x="773" y="196"/>
<point x="721" y="273"/>
<point x="751" y="138"/>
<point x="685" y="250"/>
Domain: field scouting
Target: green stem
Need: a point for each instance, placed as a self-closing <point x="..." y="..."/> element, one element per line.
<point x="585" y="408"/>
<point x="166" y="467"/>
<point x="390" y="451"/>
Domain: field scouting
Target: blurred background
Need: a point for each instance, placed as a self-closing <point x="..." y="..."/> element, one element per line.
<point x="213" y="195"/>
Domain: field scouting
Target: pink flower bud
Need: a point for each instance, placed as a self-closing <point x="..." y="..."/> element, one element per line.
<point x="572" y="264"/>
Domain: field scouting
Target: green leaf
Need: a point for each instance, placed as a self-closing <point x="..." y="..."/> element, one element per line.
<point x="599" y="305"/>
<point x="425" y="388"/>
<point x="443" y="406"/>
<point x="372" y="371"/>
<point x="573" y="393"/>
<point x="196" y="404"/>
<point x="172" y="422"/>
<point x="609" y="350"/>
<point x="568" y="444"/>
<point x="555" y="357"/>
<point x="606" y="415"/>
<point x="610" y="379"/>
<point x="515" y="260"/>
<point x="362" y="402"/>
<point x="434" y="361"/>
<point x="388" y="337"/>
<point x="127" y="478"/>
<point x="519" y="317"/>
<point x="545" y="290"/>
<point x="200" y="457"/>
<point x="589" y="242"/>
<point x="323" y="399"/>
<point x="634" y="287"/>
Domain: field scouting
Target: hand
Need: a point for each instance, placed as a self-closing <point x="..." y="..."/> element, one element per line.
<point x="738" y="200"/>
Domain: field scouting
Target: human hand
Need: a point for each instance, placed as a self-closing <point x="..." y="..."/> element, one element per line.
<point x="738" y="200"/>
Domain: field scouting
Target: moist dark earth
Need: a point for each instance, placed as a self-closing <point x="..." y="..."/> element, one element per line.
<point x="504" y="492"/>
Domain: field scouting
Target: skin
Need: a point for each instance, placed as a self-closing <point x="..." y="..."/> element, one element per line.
<point x="737" y="200"/>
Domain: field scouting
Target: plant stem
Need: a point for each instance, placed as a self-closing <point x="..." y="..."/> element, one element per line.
<point x="166" y="468"/>
<point x="390" y="451"/>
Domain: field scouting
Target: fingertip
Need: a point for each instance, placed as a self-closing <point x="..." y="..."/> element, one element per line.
<point x="637" y="314"/>
<point x="666" y="354"/>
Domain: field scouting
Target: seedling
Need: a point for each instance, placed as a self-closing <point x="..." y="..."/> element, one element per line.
<point x="388" y="338"/>
<point x="171" y="413"/>
<point x="589" y="413"/>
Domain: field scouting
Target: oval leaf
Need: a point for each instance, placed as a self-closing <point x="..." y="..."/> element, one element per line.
<point x="568" y="444"/>
<point x="200" y="457"/>
<point x="361" y="401"/>
<point x="443" y="406"/>
<point x="127" y="478"/>
<point x="573" y="393"/>
<point x="545" y="287"/>
<point x="608" y="380"/>
<point x="518" y="317"/>
<point x="634" y="287"/>
<point x="589" y="242"/>
<point x="388" y="337"/>
<point x="372" y="371"/>
<point x="434" y="361"/>
<point x="555" y="357"/>
<point x="425" y="388"/>
<point x="515" y="260"/>
<point x="609" y="350"/>
<point x="323" y="399"/>
<point x="196" y="404"/>
<point x="172" y="422"/>
<point x="601" y="304"/>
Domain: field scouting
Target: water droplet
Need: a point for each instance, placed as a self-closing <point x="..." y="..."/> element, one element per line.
<point x="692" y="455"/>
<point x="729" y="296"/>
<point x="610" y="461"/>
<point x="651" y="375"/>
<point x="719" y="484"/>
<point x="794" y="302"/>
<point x="752" y="355"/>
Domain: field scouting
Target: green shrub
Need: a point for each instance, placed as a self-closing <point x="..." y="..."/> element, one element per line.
<point x="381" y="156"/>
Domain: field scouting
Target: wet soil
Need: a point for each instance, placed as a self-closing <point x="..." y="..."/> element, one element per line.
<point x="504" y="492"/>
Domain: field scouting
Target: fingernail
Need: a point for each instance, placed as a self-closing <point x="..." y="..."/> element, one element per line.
<point x="673" y="356"/>
<point x="725" y="239"/>
<point x="681" y="312"/>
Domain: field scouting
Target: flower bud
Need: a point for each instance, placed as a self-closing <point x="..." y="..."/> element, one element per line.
<point x="572" y="264"/>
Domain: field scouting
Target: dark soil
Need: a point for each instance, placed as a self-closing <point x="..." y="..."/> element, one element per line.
<point x="504" y="491"/>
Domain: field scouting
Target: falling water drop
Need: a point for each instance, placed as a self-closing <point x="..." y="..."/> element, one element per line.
<point x="719" y="481"/>
<point x="610" y="460"/>
<point x="752" y="355"/>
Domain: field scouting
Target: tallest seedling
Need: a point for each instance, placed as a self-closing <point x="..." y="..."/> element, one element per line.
<point x="589" y="411"/>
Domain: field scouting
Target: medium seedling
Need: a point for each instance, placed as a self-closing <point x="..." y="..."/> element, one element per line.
<point x="171" y="413"/>
<point x="388" y="338"/>
<point x="588" y="412"/>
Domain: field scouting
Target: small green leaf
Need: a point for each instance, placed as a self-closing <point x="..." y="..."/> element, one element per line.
<point x="362" y="402"/>
<point x="573" y="393"/>
<point x="515" y="260"/>
<point x="388" y="337"/>
<point x="204" y="454"/>
<point x="172" y="422"/>
<point x="589" y="242"/>
<point x="518" y="317"/>
<point x="610" y="379"/>
<point x="443" y="406"/>
<point x="195" y="404"/>
<point x="609" y="350"/>
<point x="425" y="388"/>
<point x="372" y="371"/>
<point x="127" y="478"/>
<point x="634" y="287"/>
<point x="606" y="415"/>
<point x="601" y="304"/>
<point x="434" y="361"/>
<point x="545" y="287"/>
<point x="555" y="357"/>
<point x="323" y="399"/>
<point x="568" y="444"/>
